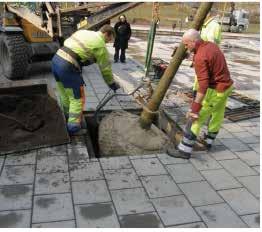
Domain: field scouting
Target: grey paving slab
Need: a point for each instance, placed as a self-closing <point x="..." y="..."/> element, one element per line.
<point x="252" y="220"/>
<point x="246" y="137"/>
<point x="220" y="179"/>
<point x="78" y="141"/>
<point x="61" y="224"/>
<point x="115" y="162"/>
<point x="122" y="178"/>
<point x="142" y="156"/>
<point x="86" y="171"/>
<point x="1" y="163"/>
<point x="255" y="147"/>
<point x="237" y="167"/>
<point x="17" y="175"/>
<point x="252" y="183"/>
<point x="220" y="216"/>
<point x="15" y="219"/>
<point x="49" y="164"/>
<point x="250" y="157"/>
<point x="184" y="173"/>
<point x="233" y="127"/>
<point x="241" y="201"/>
<point x="53" y="151"/>
<point x="48" y="183"/>
<point x="131" y="201"/>
<point x="204" y="162"/>
<point x="224" y="134"/>
<point x="78" y="154"/>
<point x="200" y="193"/>
<point x="146" y="167"/>
<point x="14" y="197"/>
<point x="145" y="220"/>
<point x="235" y="144"/>
<point x="257" y="168"/>
<point x="222" y="153"/>
<point x="54" y="207"/>
<point x="23" y="158"/>
<point x="175" y="210"/>
<point x="85" y="192"/>
<point x="191" y="225"/>
<point x="99" y="215"/>
<point x="254" y="130"/>
<point x="160" y="186"/>
<point x="166" y="159"/>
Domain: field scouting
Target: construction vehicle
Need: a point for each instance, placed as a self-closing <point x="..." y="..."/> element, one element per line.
<point x="32" y="32"/>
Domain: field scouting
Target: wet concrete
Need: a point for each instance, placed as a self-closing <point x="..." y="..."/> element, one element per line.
<point x="140" y="221"/>
<point x="14" y="191"/>
<point x="45" y="202"/>
<point x="96" y="211"/>
<point x="9" y="220"/>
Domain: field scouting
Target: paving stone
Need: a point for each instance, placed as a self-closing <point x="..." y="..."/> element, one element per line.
<point x="86" y="171"/>
<point x="241" y="201"/>
<point x="16" y="197"/>
<point x="222" y="153"/>
<point x="131" y="201"/>
<point x="250" y="157"/>
<point x="1" y="163"/>
<point x="78" y="141"/>
<point x="90" y="192"/>
<point x="175" y="210"/>
<point x="252" y="183"/>
<point x="235" y="144"/>
<point x="246" y="137"/>
<point x="255" y="130"/>
<point x="237" y="167"/>
<point x="17" y="175"/>
<point x="15" y="219"/>
<point x="23" y="158"/>
<point x="49" y="164"/>
<point x="220" y="216"/>
<point x="220" y="179"/>
<point x="53" y="151"/>
<point x="252" y="220"/>
<point x="115" y="163"/>
<point x="146" y="167"/>
<point x="200" y="193"/>
<point x="61" y="224"/>
<point x="184" y="173"/>
<point x="257" y="168"/>
<point x="122" y="178"/>
<point x="166" y="159"/>
<point x="145" y="220"/>
<point x="142" y="156"/>
<point x="233" y="127"/>
<point x="55" y="207"/>
<point x="191" y="225"/>
<point x="48" y="183"/>
<point x="99" y="215"/>
<point x="224" y="134"/>
<point x="160" y="186"/>
<point x="204" y="162"/>
<point x="78" y="154"/>
<point x="255" y="147"/>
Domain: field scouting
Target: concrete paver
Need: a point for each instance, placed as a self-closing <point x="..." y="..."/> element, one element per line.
<point x="99" y="215"/>
<point x="48" y="183"/>
<point x="78" y="154"/>
<point x="53" y="151"/>
<point x="2" y="159"/>
<point x="175" y="210"/>
<point x="49" y="164"/>
<point x="250" y="157"/>
<point x="257" y="168"/>
<point x="234" y="144"/>
<point x="13" y="197"/>
<point x="54" y="207"/>
<point x="252" y="183"/>
<point x="132" y="157"/>
<point x="191" y="225"/>
<point x="252" y="220"/>
<point x="220" y="179"/>
<point x="220" y="216"/>
<point x="222" y="153"/>
<point x="24" y="158"/>
<point x="246" y="137"/>
<point x="146" y="167"/>
<point x="60" y="224"/>
<point x="241" y="201"/>
<point x="145" y="220"/>
<point x="166" y="159"/>
<point x="200" y="193"/>
<point x="85" y="192"/>
<point x="237" y="167"/>
<point x="184" y="173"/>
<point x="204" y="162"/>
<point x="160" y="186"/>
<point x="255" y="147"/>
<point x="131" y="201"/>
<point x="17" y="175"/>
<point x="115" y="163"/>
<point x="122" y="178"/>
<point x="15" y="219"/>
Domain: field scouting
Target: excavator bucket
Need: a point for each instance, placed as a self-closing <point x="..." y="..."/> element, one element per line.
<point x="30" y="117"/>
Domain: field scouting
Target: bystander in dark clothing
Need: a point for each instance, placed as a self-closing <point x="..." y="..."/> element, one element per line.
<point x="123" y="34"/>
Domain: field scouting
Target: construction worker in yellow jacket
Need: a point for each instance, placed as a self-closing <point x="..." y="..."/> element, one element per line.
<point x="84" y="47"/>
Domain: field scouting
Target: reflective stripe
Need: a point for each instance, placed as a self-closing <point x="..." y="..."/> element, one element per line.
<point x="68" y="58"/>
<point x="184" y="148"/>
<point x="188" y="141"/>
<point x="209" y="141"/>
<point x="74" y="115"/>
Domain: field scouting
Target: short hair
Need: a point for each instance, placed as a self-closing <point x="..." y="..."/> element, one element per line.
<point x="108" y="29"/>
<point x="192" y="34"/>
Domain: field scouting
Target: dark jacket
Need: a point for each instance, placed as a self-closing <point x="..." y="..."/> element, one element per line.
<point x="123" y="34"/>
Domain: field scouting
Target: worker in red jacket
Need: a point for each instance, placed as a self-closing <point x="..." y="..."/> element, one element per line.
<point x="215" y="86"/>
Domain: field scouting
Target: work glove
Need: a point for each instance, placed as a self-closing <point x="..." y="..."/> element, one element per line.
<point x="114" y="86"/>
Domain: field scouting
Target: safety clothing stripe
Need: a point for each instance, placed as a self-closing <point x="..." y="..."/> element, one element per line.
<point x="188" y="141"/>
<point x="184" y="148"/>
<point x="74" y="115"/>
<point x="209" y="141"/>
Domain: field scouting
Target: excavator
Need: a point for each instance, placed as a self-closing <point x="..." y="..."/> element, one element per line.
<point x="32" y="32"/>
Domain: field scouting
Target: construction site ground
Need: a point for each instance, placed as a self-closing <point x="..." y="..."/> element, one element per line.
<point x="62" y="187"/>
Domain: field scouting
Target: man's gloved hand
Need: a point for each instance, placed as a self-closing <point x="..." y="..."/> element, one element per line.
<point x="114" y="86"/>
